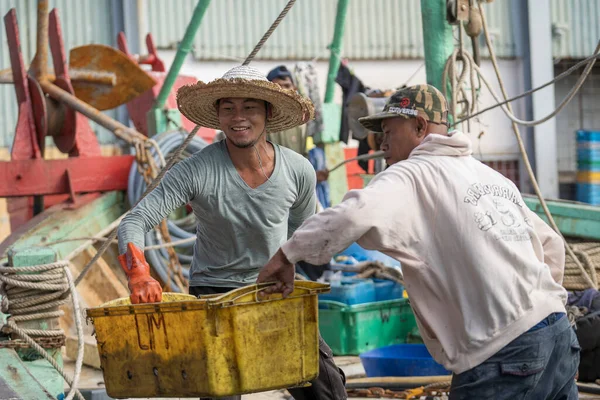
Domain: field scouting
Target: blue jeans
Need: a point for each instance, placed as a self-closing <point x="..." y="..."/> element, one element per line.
<point x="540" y="364"/>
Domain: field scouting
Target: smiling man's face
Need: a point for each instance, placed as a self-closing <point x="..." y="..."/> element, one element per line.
<point x="242" y="120"/>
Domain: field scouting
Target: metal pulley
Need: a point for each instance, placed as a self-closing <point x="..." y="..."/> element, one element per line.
<point x="360" y="105"/>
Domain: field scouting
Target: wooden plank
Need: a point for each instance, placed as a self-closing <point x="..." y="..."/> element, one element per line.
<point x="15" y="377"/>
<point x="91" y="358"/>
<point x="110" y="283"/>
<point x="60" y="223"/>
<point x="572" y="218"/>
<point x="45" y="177"/>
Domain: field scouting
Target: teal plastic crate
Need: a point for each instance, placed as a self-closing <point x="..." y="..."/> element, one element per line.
<point x="351" y="330"/>
<point x="588" y="136"/>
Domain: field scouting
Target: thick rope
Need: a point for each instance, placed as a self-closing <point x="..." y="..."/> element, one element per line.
<point x="181" y="148"/>
<point x="508" y="111"/>
<point x="458" y="79"/>
<point x="174" y="243"/>
<point x="29" y="305"/>
<point x="529" y="92"/>
<point x="267" y="34"/>
<point x="592" y="282"/>
<point x="588" y="254"/>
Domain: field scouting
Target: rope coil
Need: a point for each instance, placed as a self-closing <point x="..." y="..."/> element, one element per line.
<point x="29" y="297"/>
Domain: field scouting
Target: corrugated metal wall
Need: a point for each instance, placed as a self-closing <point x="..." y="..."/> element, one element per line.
<point x="576" y="27"/>
<point x="83" y="22"/>
<point x="375" y="29"/>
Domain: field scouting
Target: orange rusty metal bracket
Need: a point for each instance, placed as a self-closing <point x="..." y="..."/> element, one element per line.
<point x="130" y="80"/>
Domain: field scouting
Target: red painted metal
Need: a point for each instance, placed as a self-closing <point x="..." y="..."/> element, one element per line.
<point x="46" y="177"/>
<point x="138" y="108"/>
<point x="122" y="44"/>
<point x="27" y="176"/>
<point x="77" y="137"/>
<point x="25" y="144"/>
<point x="152" y="57"/>
<point x="40" y="112"/>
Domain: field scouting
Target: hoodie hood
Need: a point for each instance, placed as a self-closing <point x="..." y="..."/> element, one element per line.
<point x="456" y="144"/>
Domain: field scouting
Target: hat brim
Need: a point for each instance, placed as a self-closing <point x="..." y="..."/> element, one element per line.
<point x="197" y="102"/>
<point x="373" y="122"/>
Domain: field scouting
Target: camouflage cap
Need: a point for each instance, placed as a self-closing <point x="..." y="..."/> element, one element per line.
<point x="423" y="100"/>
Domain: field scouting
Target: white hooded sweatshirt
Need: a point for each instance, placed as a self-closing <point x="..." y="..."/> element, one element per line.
<point x="480" y="268"/>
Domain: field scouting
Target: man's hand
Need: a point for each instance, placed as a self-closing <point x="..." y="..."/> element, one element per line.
<point x="322" y="175"/>
<point x="143" y="288"/>
<point x="279" y="271"/>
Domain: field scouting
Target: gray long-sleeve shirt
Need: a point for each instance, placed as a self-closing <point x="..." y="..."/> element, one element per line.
<point x="239" y="228"/>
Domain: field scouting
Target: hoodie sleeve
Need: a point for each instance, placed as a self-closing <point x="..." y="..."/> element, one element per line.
<point x="553" y="245"/>
<point x="334" y="229"/>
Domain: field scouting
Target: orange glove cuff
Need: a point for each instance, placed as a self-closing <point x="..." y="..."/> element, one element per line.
<point x="134" y="262"/>
<point x="143" y="288"/>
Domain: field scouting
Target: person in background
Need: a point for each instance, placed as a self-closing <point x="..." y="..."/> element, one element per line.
<point x="294" y="138"/>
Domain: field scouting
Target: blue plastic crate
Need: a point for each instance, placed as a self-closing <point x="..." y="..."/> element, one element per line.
<point x="361" y="254"/>
<point x="387" y="290"/>
<point x="588" y="136"/>
<point x="593" y="166"/>
<point x="588" y="193"/>
<point x="351" y="291"/>
<point x="588" y="154"/>
<point x="401" y="360"/>
<point x="588" y="188"/>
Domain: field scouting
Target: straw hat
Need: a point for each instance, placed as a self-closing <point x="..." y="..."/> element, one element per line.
<point x="198" y="101"/>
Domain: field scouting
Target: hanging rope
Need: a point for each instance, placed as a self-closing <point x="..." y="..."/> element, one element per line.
<point x="175" y="156"/>
<point x="508" y="111"/>
<point x="267" y="34"/>
<point x="529" y="92"/>
<point x="458" y="79"/>
<point x="30" y="297"/>
<point x="591" y="281"/>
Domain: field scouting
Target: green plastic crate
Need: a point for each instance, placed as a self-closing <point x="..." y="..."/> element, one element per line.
<point x="351" y="330"/>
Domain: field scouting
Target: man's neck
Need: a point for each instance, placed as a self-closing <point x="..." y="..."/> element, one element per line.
<point x="437" y="129"/>
<point x="247" y="158"/>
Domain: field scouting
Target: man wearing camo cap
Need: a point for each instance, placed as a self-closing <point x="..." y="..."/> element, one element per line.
<point x="482" y="271"/>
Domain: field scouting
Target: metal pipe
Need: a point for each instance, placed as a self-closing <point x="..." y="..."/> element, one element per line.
<point x="437" y="40"/>
<point x="39" y="65"/>
<point x="184" y="48"/>
<point x="336" y="45"/>
<point x="124" y="132"/>
<point x="75" y="75"/>
<point x="89" y="76"/>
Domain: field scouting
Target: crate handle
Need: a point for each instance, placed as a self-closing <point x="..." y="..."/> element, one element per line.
<point x="301" y="288"/>
<point x="331" y="305"/>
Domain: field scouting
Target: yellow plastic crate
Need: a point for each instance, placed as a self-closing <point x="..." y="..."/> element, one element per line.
<point x="216" y="346"/>
<point x="588" y="177"/>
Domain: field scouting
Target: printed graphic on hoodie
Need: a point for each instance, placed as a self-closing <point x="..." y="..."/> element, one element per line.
<point x="502" y="218"/>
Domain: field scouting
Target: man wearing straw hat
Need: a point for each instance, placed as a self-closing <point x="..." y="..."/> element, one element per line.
<point x="483" y="272"/>
<point x="248" y="195"/>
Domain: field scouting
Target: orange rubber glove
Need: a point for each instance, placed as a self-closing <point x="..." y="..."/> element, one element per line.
<point x="143" y="288"/>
